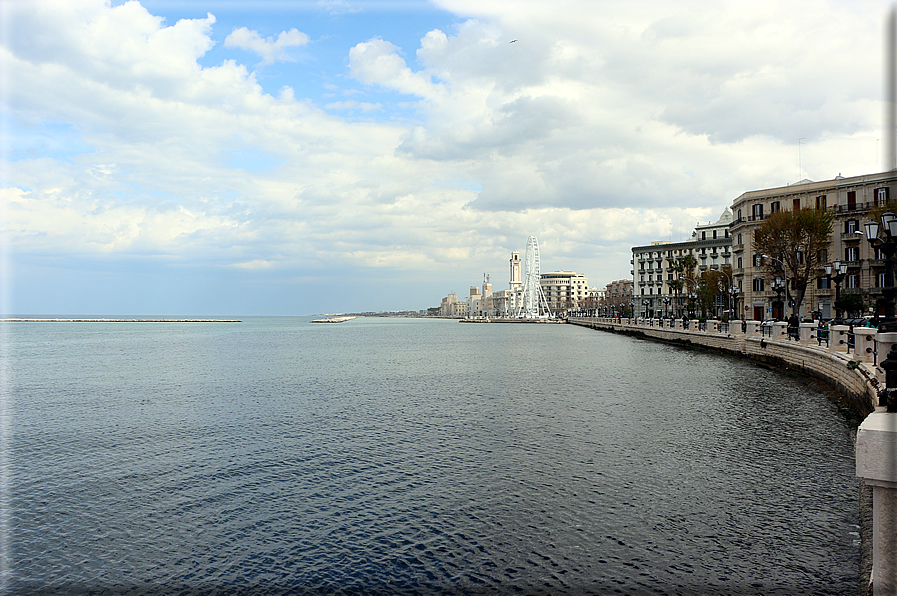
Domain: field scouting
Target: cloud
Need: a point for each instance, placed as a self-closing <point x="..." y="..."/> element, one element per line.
<point x="602" y="127"/>
<point x="269" y="49"/>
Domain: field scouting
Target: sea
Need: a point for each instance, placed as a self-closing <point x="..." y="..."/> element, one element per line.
<point x="412" y="456"/>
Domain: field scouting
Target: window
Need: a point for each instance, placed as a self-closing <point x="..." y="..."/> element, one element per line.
<point x="882" y="195"/>
<point x="740" y="265"/>
<point x="852" y="281"/>
<point x="758" y="284"/>
<point x="851" y="200"/>
<point x="757" y="212"/>
<point x="820" y="202"/>
<point x="703" y="235"/>
<point x="851" y="226"/>
<point x="880" y="280"/>
<point x="726" y="232"/>
<point x="739" y="239"/>
<point x="823" y="283"/>
<point x="739" y="215"/>
<point x="795" y="204"/>
<point x="852" y="253"/>
<point x="714" y="234"/>
<point x="773" y="207"/>
<point x="758" y="260"/>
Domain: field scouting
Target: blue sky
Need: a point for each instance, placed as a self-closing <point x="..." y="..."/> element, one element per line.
<point x="277" y="157"/>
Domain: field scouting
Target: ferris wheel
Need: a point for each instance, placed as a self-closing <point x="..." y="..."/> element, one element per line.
<point x="534" y="304"/>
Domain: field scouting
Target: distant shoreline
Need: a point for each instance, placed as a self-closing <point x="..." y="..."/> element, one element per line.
<point x="30" y="320"/>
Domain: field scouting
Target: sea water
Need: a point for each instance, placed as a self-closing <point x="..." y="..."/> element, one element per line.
<point x="413" y="456"/>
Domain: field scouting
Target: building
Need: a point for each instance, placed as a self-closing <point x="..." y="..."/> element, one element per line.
<point x="851" y="201"/>
<point x="564" y="290"/>
<point x="451" y="307"/>
<point x="652" y="266"/>
<point x="617" y="296"/>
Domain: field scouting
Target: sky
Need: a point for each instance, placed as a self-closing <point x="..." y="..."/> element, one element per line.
<point x="275" y="157"/>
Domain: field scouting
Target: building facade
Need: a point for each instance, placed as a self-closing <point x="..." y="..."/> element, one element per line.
<point x="564" y="290"/>
<point x="617" y="297"/>
<point x="851" y="201"/>
<point x="652" y="266"/>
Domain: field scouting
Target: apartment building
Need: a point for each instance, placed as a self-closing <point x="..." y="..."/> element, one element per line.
<point x="564" y="290"/>
<point x="851" y="201"/>
<point x="652" y="266"/>
<point x="617" y="296"/>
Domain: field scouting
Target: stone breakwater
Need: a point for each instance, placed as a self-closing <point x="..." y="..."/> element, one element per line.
<point x="26" y="320"/>
<point x="334" y="320"/>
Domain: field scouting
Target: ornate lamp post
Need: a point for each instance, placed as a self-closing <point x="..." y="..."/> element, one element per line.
<point x="778" y="286"/>
<point x="733" y="291"/>
<point x="836" y="272"/>
<point x="887" y="245"/>
<point x="784" y="274"/>
<point x="666" y="305"/>
<point x="645" y="304"/>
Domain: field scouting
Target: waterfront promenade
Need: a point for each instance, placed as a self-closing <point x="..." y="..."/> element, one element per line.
<point x="845" y="358"/>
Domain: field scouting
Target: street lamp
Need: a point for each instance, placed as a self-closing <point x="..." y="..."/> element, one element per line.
<point x="778" y="286"/>
<point x="645" y="304"/>
<point x="666" y="305"/>
<point x="887" y="246"/>
<point x="839" y="270"/>
<point x="784" y="273"/>
<point x="731" y="285"/>
<point x="733" y="291"/>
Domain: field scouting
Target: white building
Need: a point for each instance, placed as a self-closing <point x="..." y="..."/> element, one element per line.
<point x="564" y="290"/>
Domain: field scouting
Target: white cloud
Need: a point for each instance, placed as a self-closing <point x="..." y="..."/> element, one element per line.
<point x="602" y="127"/>
<point x="269" y="49"/>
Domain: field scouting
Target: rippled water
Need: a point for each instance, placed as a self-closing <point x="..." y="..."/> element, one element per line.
<point x="415" y="456"/>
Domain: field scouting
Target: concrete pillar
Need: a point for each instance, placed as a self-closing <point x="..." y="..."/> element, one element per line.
<point x="780" y="330"/>
<point x="735" y="327"/>
<point x="752" y="328"/>
<point x="837" y="338"/>
<point x="865" y="343"/>
<point x="807" y="332"/>
<point x="678" y="324"/>
<point x="877" y="464"/>
<point x="885" y="341"/>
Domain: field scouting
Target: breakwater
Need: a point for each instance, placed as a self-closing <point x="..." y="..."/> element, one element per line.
<point x="88" y="320"/>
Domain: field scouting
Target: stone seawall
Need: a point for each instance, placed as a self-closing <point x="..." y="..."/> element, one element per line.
<point x="858" y="382"/>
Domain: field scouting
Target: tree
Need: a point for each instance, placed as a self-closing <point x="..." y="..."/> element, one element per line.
<point x="685" y="274"/>
<point x="799" y="239"/>
<point x="713" y="283"/>
<point x="853" y="303"/>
